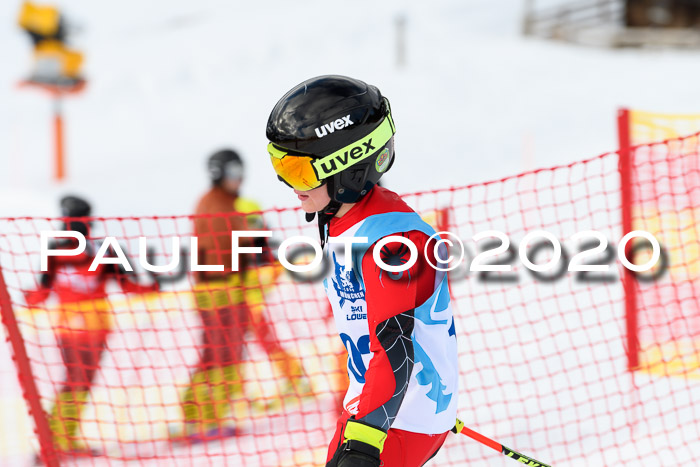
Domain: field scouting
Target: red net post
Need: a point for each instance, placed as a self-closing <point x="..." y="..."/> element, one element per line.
<point x="26" y="378"/>
<point x="626" y="204"/>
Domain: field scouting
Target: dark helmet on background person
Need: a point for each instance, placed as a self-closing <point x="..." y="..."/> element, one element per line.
<point x="332" y="130"/>
<point x="225" y="163"/>
<point x="74" y="207"/>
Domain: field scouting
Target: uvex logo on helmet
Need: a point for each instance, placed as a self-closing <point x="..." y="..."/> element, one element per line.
<point x="330" y="127"/>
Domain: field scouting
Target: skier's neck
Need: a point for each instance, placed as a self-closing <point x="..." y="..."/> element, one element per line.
<point x="344" y="208"/>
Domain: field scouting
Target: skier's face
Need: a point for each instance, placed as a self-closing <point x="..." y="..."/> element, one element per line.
<point x="313" y="200"/>
<point x="231" y="185"/>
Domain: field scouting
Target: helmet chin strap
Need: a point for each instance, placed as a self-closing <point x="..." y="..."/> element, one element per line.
<point x="324" y="218"/>
<point x="325" y="215"/>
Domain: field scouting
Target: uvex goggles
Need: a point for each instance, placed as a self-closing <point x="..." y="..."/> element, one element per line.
<point x="304" y="173"/>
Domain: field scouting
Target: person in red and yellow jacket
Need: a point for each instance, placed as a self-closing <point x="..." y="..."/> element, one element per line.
<point x="83" y="321"/>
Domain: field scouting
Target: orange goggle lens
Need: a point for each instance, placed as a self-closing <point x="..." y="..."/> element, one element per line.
<point x="296" y="171"/>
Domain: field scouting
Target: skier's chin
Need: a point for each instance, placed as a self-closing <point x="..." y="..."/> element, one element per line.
<point x="313" y="200"/>
<point x="308" y="205"/>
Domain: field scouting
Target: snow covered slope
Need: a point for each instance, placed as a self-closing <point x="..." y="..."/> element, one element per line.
<point x="171" y="81"/>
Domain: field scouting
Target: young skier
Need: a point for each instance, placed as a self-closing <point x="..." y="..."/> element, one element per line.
<point x="84" y="321"/>
<point x="331" y="139"/>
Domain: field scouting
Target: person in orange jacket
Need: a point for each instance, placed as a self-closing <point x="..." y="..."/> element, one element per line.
<point x="230" y="303"/>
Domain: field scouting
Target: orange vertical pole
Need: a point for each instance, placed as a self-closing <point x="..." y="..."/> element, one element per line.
<point x="59" y="161"/>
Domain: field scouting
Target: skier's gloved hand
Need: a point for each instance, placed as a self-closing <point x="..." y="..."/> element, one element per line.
<point x="35" y="297"/>
<point x="361" y="447"/>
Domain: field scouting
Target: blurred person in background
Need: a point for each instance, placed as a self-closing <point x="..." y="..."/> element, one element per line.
<point x="83" y="319"/>
<point x="55" y="63"/>
<point x="230" y="303"/>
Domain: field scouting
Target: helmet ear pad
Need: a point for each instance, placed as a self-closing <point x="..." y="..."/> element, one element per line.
<point x="353" y="183"/>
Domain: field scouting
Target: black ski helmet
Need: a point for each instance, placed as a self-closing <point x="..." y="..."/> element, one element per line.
<point x="224" y="163"/>
<point x="75" y="207"/>
<point x="335" y="116"/>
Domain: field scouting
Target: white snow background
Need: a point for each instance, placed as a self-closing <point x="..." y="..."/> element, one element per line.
<point x="172" y="81"/>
